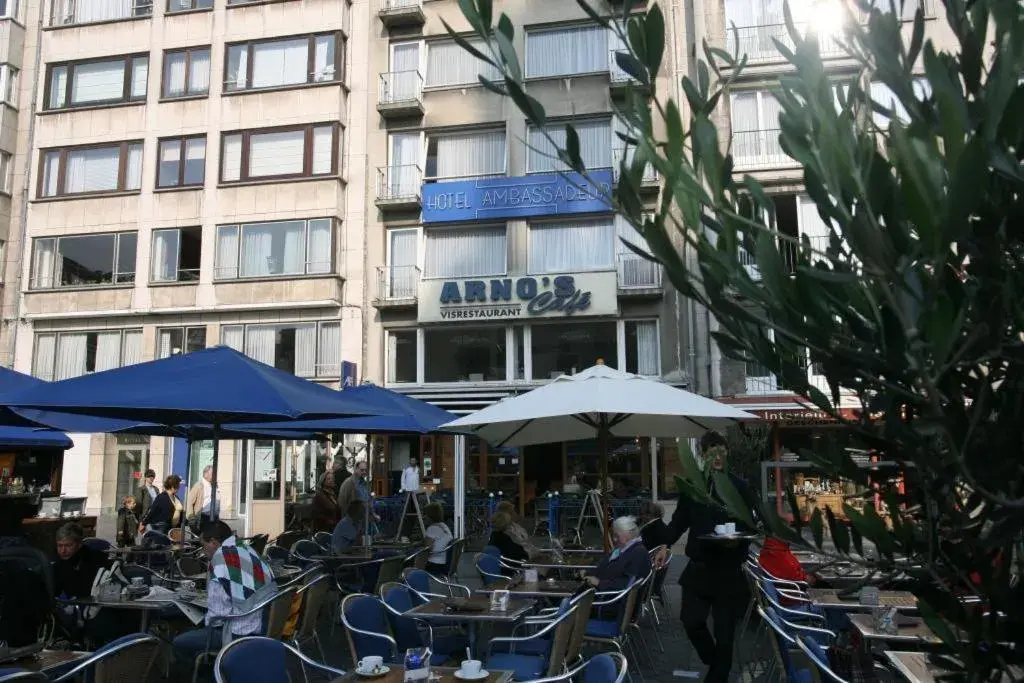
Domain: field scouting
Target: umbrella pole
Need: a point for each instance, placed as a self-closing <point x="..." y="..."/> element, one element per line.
<point x="603" y="435"/>
<point x="213" y="484"/>
<point x="188" y="473"/>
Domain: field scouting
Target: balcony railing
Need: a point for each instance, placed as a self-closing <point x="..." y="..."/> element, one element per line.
<point x="789" y="252"/>
<point x="650" y="173"/>
<point x="758" y="42"/>
<point x="617" y="73"/>
<point x="399" y="182"/>
<point x="397" y="283"/>
<point x="72" y="12"/>
<point x="636" y="272"/>
<point x="397" y="5"/>
<point x="758" y="149"/>
<point x="400" y="86"/>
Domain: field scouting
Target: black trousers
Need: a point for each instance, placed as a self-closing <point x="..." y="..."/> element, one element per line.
<point x="719" y="593"/>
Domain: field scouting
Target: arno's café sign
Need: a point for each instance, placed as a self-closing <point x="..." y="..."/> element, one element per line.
<point x="541" y="296"/>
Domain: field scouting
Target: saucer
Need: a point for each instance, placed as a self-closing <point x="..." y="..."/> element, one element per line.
<point x="374" y="673"/>
<point x="467" y="677"/>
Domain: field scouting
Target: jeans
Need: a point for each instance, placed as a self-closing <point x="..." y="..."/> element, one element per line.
<point x="192" y="643"/>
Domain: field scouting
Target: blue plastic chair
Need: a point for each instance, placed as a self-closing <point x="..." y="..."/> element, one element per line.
<point x="608" y="667"/>
<point x="133" y="666"/>
<point x="97" y="544"/>
<point x="257" y="658"/>
<point x="22" y="676"/>
<point x="489" y="568"/>
<point x="366" y="625"/>
<point x="427" y="586"/>
<point x="305" y="550"/>
<point x="491" y="550"/>
<point x="276" y="553"/>
<point x="398" y="600"/>
<point x="530" y="666"/>
<point x="783" y="643"/>
<point x="819" y="658"/>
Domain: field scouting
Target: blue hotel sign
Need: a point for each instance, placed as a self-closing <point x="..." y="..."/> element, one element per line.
<point x="504" y="198"/>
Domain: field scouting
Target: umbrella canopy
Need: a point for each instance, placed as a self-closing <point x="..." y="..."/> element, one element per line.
<point x="416" y="416"/>
<point x="28" y="437"/>
<point x="578" y="407"/>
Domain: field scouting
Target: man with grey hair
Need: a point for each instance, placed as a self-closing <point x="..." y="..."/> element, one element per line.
<point x="627" y="561"/>
<point x="198" y="502"/>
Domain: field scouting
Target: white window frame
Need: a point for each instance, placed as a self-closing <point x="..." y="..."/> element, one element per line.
<point x="8" y="13"/>
<point x="56" y="335"/>
<point x="152" y="259"/>
<point x="184" y="336"/>
<point x="603" y="66"/>
<point x="240" y="229"/>
<point x="420" y="356"/>
<point x="6" y="161"/>
<point x="622" y="361"/>
<point x="55" y="268"/>
<point x="9" y="84"/>
<point x="504" y="270"/>
<point x="333" y="371"/>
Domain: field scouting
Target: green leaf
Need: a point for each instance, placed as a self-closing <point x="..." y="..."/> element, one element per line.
<point x="465" y="45"/>
<point x="632" y="66"/>
<point x="691" y="472"/>
<point x="508" y="52"/>
<point x="493" y="86"/>
<point x="837" y="528"/>
<point x="592" y="13"/>
<point x="572" y="149"/>
<point x="938" y="625"/>
<point x="816" y="528"/>
<point x="735" y="503"/>
<point x="654" y="31"/>
<point x="533" y="109"/>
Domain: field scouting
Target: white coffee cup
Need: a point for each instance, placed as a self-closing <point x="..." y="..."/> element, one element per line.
<point x="370" y="662"/>
<point x="730" y="528"/>
<point x="472" y="667"/>
<point x="721" y="529"/>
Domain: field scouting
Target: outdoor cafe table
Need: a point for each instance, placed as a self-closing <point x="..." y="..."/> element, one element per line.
<point x="576" y="560"/>
<point x="551" y="588"/>
<point x="478" y="612"/>
<point x="446" y="674"/>
<point x="915" y="667"/>
<point x="918" y="634"/>
<point x="144" y="606"/>
<point x="46" y="661"/>
<point x="829" y="599"/>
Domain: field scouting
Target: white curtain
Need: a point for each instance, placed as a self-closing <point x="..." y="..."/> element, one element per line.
<point x="402" y="261"/>
<point x="140" y="77"/>
<point x="318" y="249"/>
<point x="98" y="82"/>
<point x="231" y="163"/>
<point x="199" y="72"/>
<point x="469" y="155"/>
<point x="165" y="255"/>
<point x="133" y="168"/>
<point x="646" y="347"/>
<point x="71" y="355"/>
<point x="163" y="343"/>
<point x="566" y="51"/>
<point x="108" y="350"/>
<point x="101" y="10"/>
<point x="324" y="58"/>
<point x="282" y="62"/>
<point x="595" y="146"/>
<point x="132" y="347"/>
<point x="465" y="252"/>
<point x="51" y="173"/>
<point x="58" y="87"/>
<point x="92" y="170"/>
<point x="260" y="341"/>
<point x="571" y="246"/>
<point x="43" y="263"/>
<point x="448" y="64"/>
<point x="232" y="336"/>
<point x="323" y="149"/>
<point x="744" y="111"/>
<point x="42" y="357"/>
<point x="405" y="71"/>
<point x="227" y="252"/>
<point x="174" y="74"/>
<point x="237" y="71"/>
<point x="257" y="250"/>
<point x="293" y="255"/>
<point x="195" y="161"/>
<point x="403" y="177"/>
<point x="305" y="350"/>
<point x="280" y="153"/>
<point x="329" y="350"/>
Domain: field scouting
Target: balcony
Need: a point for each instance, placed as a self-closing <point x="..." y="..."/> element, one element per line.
<point x="790" y="255"/>
<point x="401" y="94"/>
<point x="758" y="150"/>
<point x="637" y="276"/>
<point x="398" y="187"/>
<point x="397" y="286"/>
<point x="758" y="43"/>
<point x="650" y="177"/>
<point x="75" y="12"/>
<point x="401" y="13"/>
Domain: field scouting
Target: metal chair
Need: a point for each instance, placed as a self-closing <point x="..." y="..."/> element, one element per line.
<point x="423" y="583"/>
<point x="313" y="596"/>
<point x="555" y="635"/>
<point x="409" y="632"/>
<point x="257" y="658"/>
<point x="324" y="540"/>
<point x="366" y="627"/>
<point x="22" y="676"/>
<point x="491" y="550"/>
<point x="305" y="551"/>
<point x="129" y="658"/>
<point x="489" y="568"/>
<point x="819" y="658"/>
<point x="455" y="551"/>
<point x="97" y="544"/>
<point x="615" y="632"/>
<point x="276" y="553"/>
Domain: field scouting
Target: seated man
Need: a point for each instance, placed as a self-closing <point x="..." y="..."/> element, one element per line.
<point x="349" y="530"/>
<point x="239" y="580"/>
<point x="628" y="560"/>
<point x="74" y="575"/>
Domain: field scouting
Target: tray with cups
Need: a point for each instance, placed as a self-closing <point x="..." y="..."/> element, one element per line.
<point x="728" y="532"/>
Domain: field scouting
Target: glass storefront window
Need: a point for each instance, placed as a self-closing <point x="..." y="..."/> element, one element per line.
<point x="402" y="356"/>
<point x="567" y="348"/>
<point x="305" y="462"/>
<point x="465" y="354"/>
<point x="266" y="475"/>
<point x="201" y="456"/>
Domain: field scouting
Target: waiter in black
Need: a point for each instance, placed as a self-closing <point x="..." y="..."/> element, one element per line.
<point x="712" y="582"/>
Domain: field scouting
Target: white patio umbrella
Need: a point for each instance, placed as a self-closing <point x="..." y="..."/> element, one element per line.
<point x="598" y="403"/>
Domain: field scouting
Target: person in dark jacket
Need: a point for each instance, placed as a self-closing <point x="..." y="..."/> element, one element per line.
<point x="653" y="529"/>
<point x="127" y="523"/>
<point x="76" y="566"/>
<point x="166" y="511"/>
<point x="146" y="494"/>
<point x="712" y="582"/>
<point x="500" y="539"/>
<point x="629" y="560"/>
<point x="326" y="513"/>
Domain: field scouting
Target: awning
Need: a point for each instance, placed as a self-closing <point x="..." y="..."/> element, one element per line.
<point x="28" y="437"/>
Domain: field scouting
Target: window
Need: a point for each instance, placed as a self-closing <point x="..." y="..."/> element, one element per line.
<point x="9" y="84"/>
<point x="186" y="72"/>
<point x="466" y="155"/>
<point x="187" y="5"/>
<point x="71" y="12"/>
<point x="755" y="129"/>
<point x="89" y="170"/>
<point x="449" y="65"/>
<point x="170" y="341"/>
<point x="5" y="172"/>
<point x="403" y="275"/>
<point x="118" y="80"/>
<point x="401" y="356"/>
<point x="181" y="162"/>
<point x="566" y="348"/>
<point x="270" y="249"/>
<point x="305" y="151"/>
<point x="641" y="347"/>
<point x="567" y="50"/>
<point x="283" y="62"/>
<point x="70" y="354"/>
<point x="305" y="349"/>
<point x="176" y="253"/>
<point x="595" y="146"/>
<point x="465" y="252"/>
<point x="84" y="260"/>
<point x="909" y="7"/>
<point x="881" y="94"/>
<point x="9" y="8"/>
<point x="464" y="354"/>
<point x="572" y="246"/>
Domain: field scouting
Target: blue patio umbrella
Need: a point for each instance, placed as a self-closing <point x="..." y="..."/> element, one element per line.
<point x="203" y="392"/>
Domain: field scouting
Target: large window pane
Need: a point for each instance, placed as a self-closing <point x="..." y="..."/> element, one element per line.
<point x="595" y="146"/>
<point x="466" y="155"/>
<point x="448" y="64"/>
<point x="465" y="252"/>
<point x="282" y="62"/>
<point x="464" y="354"/>
<point x="98" y="82"/>
<point x="567" y="50"/>
<point x="568" y="348"/>
<point x="642" y="347"/>
<point x="276" y="153"/>
<point x="402" y="356"/>
<point x="572" y="246"/>
<point x="293" y="152"/>
<point x="273" y="248"/>
<point x="86" y="260"/>
<point x="91" y="169"/>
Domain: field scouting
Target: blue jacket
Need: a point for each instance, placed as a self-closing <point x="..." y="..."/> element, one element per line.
<point x="614" y="575"/>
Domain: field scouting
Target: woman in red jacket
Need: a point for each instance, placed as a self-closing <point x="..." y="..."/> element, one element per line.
<point x="778" y="560"/>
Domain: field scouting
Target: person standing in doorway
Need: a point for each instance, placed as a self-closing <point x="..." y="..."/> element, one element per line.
<point x="712" y="583"/>
<point x="147" y="494"/>
<point x="198" y="505"/>
<point x="357" y="487"/>
<point x="411" y="476"/>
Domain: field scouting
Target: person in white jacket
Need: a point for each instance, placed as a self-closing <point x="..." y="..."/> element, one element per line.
<point x="411" y="476"/>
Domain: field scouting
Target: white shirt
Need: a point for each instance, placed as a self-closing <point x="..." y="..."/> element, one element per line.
<point x="411" y="479"/>
<point x="219" y="604"/>
<point x="207" y="495"/>
<point x="442" y="537"/>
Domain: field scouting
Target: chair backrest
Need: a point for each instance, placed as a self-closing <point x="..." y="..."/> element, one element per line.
<point x="277" y="553"/>
<point x="390" y="571"/>
<point x="288" y="538"/>
<point x="455" y="552"/>
<point x="489" y="568"/>
<point x="491" y="550"/>
<point x="259" y="543"/>
<point x="176" y="534"/>
<point x="191" y="566"/>
<point x="398" y="599"/>
<point x="314" y="596"/>
<point x="306" y="549"/>
<point x="278" y="611"/>
<point x="252" y="659"/>
<point x="22" y="676"/>
<point x="631" y="603"/>
<point x="129" y="658"/>
<point x="418" y="580"/>
<point x="609" y="667"/>
<point x="366" y="627"/>
<point x="819" y="657"/>
<point x="96" y="543"/>
<point x="781" y="642"/>
<point x="561" y="638"/>
<point x="583" y="602"/>
<point x="324" y="540"/>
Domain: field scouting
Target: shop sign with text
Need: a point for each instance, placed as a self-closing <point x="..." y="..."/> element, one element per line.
<point x="525" y="297"/>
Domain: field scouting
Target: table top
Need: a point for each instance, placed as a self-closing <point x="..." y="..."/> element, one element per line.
<point x="140" y="604"/>
<point x="918" y="633"/>
<point x="580" y="560"/>
<point x="48" y="659"/>
<point x="397" y="674"/>
<point x="549" y="588"/>
<point x="829" y="597"/>
<point x="915" y="667"/>
<point x="437" y="609"/>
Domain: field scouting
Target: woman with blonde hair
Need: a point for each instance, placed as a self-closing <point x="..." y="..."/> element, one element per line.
<point x="438" y="537"/>
<point x="515" y="530"/>
<point x="500" y="539"/>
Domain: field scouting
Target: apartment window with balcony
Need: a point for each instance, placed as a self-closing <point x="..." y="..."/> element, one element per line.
<point x="63" y="355"/>
<point x="116" y="80"/>
<point x="634" y="271"/>
<point x="186" y="73"/>
<point x="566" y="348"/>
<point x="401" y="356"/>
<point x="282" y="248"/>
<point x="280" y="153"/>
<point x="71" y="12"/>
<point x="171" y="341"/>
<point x="181" y="162"/>
<point x="91" y="169"/>
<point x="84" y="260"/>
<point x="176" y="255"/>
<point x="283" y="62"/>
<point x="480" y="154"/>
<point x="448" y="65"/>
<point x="403" y="274"/>
<point x="567" y="51"/>
<point x="465" y="252"/>
<point x="464" y="354"/>
<point x="9" y="84"/>
<point x="188" y="5"/>
<point x="5" y="173"/>
<point x="755" y="129"/>
<point x="572" y="246"/>
<point x="595" y="146"/>
<point x="404" y="80"/>
<point x="640" y="346"/>
<point x="307" y="349"/>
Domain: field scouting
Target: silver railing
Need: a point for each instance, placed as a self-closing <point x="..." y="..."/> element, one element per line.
<point x="397" y="282"/>
<point x="399" y="182"/>
<point x="636" y="272"/>
<point x="400" y="86"/>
